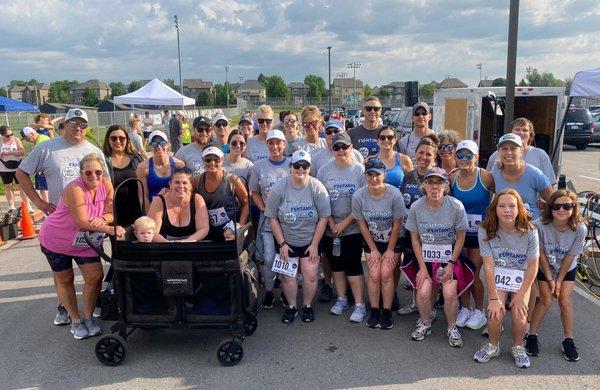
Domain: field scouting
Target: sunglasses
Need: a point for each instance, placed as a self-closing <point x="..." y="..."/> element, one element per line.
<point x="75" y="125"/>
<point x="97" y="172"/>
<point x="420" y="113"/>
<point x="310" y="124"/>
<point x="332" y="131"/>
<point x="221" y="124"/>
<point x="209" y="159"/>
<point x="203" y="129"/>
<point x="156" y="144"/>
<point x="303" y="165"/>
<point x="387" y="137"/>
<point x="564" y="206"/>
<point x="290" y="122"/>
<point x="446" y="148"/>
<point x="464" y="155"/>
<point x="8" y="135"/>
<point x="115" y="138"/>
<point x="338" y="147"/>
<point x="265" y="120"/>
<point x="235" y="144"/>
<point x="372" y="108"/>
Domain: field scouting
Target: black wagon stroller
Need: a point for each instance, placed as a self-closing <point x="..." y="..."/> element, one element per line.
<point x="200" y="285"/>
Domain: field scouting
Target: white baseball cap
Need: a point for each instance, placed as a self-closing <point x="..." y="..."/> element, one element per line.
<point x="27" y="131"/>
<point x="158" y="133"/>
<point x="220" y="117"/>
<point x="301" y="155"/>
<point x="76" y="113"/>
<point x="277" y="134"/>
<point x="469" y="145"/>
<point x="212" y="150"/>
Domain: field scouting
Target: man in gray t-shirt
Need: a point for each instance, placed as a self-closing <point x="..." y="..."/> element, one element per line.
<point x="510" y="250"/>
<point x="379" y="214"/>
<point x="557" y="245"/>
<point x="256" y="149"/>
<point x="420" y="117"/>
<point x="191" y="154"/>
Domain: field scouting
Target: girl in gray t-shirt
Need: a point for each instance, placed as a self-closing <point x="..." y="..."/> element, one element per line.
<point x="509" y="247"/>
<point x="562" y="236"/>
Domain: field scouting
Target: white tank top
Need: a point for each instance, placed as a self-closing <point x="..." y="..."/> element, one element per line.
<point x="9" y="147"/>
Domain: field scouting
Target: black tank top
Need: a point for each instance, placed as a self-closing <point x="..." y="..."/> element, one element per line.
<point x="222" y="204"/>
<point x="170" y="232"/>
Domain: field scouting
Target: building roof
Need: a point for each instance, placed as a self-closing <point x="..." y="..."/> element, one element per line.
<point x="394" y="84"/>
<point x="116" y="105"/>
<point x="451" y="83"/>
<point x="347" y="83"/>
<point x="297" y="85"/>
<point x="486" y="83"/>
<point x="197" y="83"/>
<point x="16" y="88"/>
<point x="67" y="106"/>
<point x="251" y="85"/>
<point x="93" y="84"/>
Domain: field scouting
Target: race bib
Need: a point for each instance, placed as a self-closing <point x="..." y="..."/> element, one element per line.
<point x="288" y="268"/>
<point x="437" y="253"/>
<point x="508" y="279"/>
<point x="218" y="216"/>
<point x="79" y="240"/>
<point x="474" y="221"/>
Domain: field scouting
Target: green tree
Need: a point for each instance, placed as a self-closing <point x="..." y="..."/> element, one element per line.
<point x="544" y="79"/>
<point x="18" y="83"/>
<point x="522" y="83"/>
<point x="499" y="82"/>
<point x="367" y="91"/>
<point x="117" y="89"/>
<point x="59" y="90"/>
<point x="89" y="97"/>
<point x="316" y="86"/>
<point x="426" y="92"/>
<point x="262" y="79"/>
<point x="134" y="86"/>
<point x="568" y="81"/>
<point x="383" y="93"/>
<point x="204" y="99"/>
<point x="276" y="87"/>
<point x="3" y="92"/>
<point x="171" y="83"/>
<point x="221" y="94"/>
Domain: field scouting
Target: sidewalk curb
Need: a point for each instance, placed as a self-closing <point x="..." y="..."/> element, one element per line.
<point x="8" y="244"/>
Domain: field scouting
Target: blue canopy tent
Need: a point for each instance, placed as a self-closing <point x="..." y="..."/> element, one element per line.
<point x="11" y="105"/>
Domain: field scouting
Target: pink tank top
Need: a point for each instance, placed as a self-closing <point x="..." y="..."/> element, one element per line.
<point x="59" y="231"/>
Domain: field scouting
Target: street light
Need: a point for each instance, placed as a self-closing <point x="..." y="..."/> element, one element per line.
<point x="227" y="69"/>
<point x="329" y="63"/>
<point x="480" y="67"/>
<point x="354" y="66"/>
<point x="178" y="53"/>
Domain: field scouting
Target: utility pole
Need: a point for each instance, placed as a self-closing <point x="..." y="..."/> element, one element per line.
<point x="227" y="69"/>
<point x="329" y="63"/>
<point x="480" y="67"/>
<point x="178" y="54"/>
<point x="511" y="62"/>
<point x="354" y="66"/>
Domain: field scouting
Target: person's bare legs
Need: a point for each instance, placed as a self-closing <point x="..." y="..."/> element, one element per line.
<point x="357" y="284"/>
<point x="310" y="270"/>
<point x="567" y="312"/>
<point x="65" y="290"/>
<point x="423" y="301"/>
<point x="92" y="277"/>
<point x="450" y="301"/>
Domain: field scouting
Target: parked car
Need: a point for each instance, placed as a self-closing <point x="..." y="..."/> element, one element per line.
<point x="402" y="121"/>
<point x="350" y="113"/>
<point x="596" y="135"/>
<point x="579" y="127"/>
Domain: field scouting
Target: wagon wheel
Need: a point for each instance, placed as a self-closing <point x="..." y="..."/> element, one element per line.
<point x="230" y="353"/>
<point x="111" y="350"/>
<point x="250" y="324"/>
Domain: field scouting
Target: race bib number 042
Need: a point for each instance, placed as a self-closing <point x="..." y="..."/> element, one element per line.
<point x="508" y="279"/>
<point x="288" y="268"/>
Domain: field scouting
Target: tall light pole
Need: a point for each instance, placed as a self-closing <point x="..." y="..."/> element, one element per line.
<point x="227" y="69"/>
<point x="178" y="54"/>
<point x="329" y="63"/>
<point x="480" y="67"/>
<point x="511" y="62"/>
<point x="354" y="66"/>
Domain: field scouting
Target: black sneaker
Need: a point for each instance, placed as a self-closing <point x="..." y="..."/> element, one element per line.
<point x="395" y="302"/>
<point x="308" y="314"/>
<point x="289" y="315"/>
<point x="569" y="350"/>
<point x="374" y="318"/>
<point x="532" y="345"/>
<point x="284" y="301"/>
<point x="326" y="294"/>
<point x="268" y="300"/>
<point x="386" y="319"/>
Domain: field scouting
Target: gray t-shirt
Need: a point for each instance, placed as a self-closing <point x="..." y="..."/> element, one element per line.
<point x="312" y="148"/>
<point x="533" y="156"/>
<point x="437" y="227"/>
<point x="510" y="250"/>
<point x="265" y="173"/>
<point x="58" y="160"/>
<point x="341" y="183"/>
<point x="556" y="245"/>
<point x="379" y="214"/>
<point x="365" y="140"/>
<point x="256" y="149"/>
<point x="298" y="209"/>
<point x="241" y="168"/>
<point x="136" y="140"/>
<point x="191" y="155"/>
<point x="325" y="156"/>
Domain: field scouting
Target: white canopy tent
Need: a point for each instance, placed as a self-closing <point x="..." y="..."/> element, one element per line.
<point x="155" y="93"/>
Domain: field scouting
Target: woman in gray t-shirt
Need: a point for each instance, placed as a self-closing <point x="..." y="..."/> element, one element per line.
<point x="509" y="247"/>
<point x="562" y="235"/>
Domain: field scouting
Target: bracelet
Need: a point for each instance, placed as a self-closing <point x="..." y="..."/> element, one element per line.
<point x="551" y="280"/>
<point x="453" y="262"/>
<point x="282" y="244"/>
<point x="494" y="299"/>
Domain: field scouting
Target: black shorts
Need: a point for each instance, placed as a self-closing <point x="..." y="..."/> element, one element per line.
<point x="8" y="177"/>
<point x="569" y="277"/>
<point x="61" y="262"/>
<point x="295" y="251"/>
<point x="350" y="259"/>
<point x="382" y="247"/>
<point x="471" y="242"/>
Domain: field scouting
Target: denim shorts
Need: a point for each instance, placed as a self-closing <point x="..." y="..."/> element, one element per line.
<point x="61" y="262"/>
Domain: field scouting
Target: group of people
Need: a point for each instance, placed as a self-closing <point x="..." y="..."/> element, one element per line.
<point x="319" y="196"/>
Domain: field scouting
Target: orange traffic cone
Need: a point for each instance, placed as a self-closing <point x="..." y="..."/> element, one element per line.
<point x="27" y="229"/>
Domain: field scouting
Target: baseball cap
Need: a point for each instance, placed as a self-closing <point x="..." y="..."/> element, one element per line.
<point x="245" y="118"/>
<point x="375" y="165"/>
<point x="201" y="120"/>
<point x="436" y="172"/>
<point x="76" y="113"/>
<point x="301" y="155"/>
<point x="510" y="137"/>
<point x="469" y="145"/>
<point x="159" y="134"/>
<point x="27" y="131"/>
<point x="221" y="117"/>
<point x="278" y="134"/>
<point x="212" y="150"/>
<point x="334" y="123"/>
<point x="341" y="138"/>
<point x="421" y="105"/>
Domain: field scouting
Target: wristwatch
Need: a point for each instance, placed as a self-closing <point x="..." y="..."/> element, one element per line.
<point x="282" y="244"/>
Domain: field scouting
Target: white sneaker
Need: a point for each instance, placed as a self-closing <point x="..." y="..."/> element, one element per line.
<point x="359" y="313"/>
<point x="476" y="321"/>
<point x="521" y="358"/>
<point x="464" y="314"/>
<point x="486" y="352"/>
<point x="421" y="331"/>
<point x="408" y="309"/>
<point x="454" y="338"/>
<point x="340" y="306"/>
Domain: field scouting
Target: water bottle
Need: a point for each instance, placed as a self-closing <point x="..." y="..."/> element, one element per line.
<point x="439" y="274"/>
<point x="337" y="247"/>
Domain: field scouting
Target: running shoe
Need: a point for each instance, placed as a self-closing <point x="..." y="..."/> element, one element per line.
<point x="340" y="306"/>
<point x="290" y="314"/>
<point x="395" y="302"/>
<point x="477" y="320"/>
<point x="284" y="301"/>
<point x="79" y="331"/>
<point x="464" y="314"/>
<point x="61" y="317"/>
<point x="486" y="352"/>
<point x="268" y="300"/>
<point x="386" y="319"/>
<point x="92" y="326"/>
<point x="454" y="337"/>
<point x="532" y="345"/>
<point x="374" y="318"/>
<point x="308" y="314"/>
<point x="326" y="294"/>
<point x="97" y="312"/>
<point x="359" y="313"/>
<point x="570" y="352"/>
<point x="408" y="309"/>
<point x="421" y="331"/>
<point x="521" y="358"/>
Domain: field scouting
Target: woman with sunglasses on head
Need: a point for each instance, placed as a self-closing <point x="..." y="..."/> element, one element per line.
<point x="342" y="177"/>
<point x="257" y="146"/>
<point x="297" y="208"/>
<point x="562" y="234"/>
<point x="312" y="123"/>
<point x="379" y="211"/>
<point x="11" y="152"/>
<point x="225" y="195"/>
<point x="86" y="205"/>
<point x="446" y="148"/>
<point x="510" y="250"/>
<point x="473" y="186"/>
<point x="326" y="155"/>
<point x="122" y="161"/>
<point x="155" y="173"/>
<point x="234" y="162"/>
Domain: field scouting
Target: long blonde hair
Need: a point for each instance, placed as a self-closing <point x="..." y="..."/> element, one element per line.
<point x="522" y="222"/>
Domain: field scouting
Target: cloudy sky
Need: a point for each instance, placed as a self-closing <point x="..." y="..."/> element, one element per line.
<point x="394" y="40"/>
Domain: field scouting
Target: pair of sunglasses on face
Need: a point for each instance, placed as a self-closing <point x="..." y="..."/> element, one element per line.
<point x="446" y="148"/>
<point x="235" y="144"/>
<point x="203" y="129"/>
<point x="303" y="165"/>
<point x="372" y="108"/>
<point x="420" y="113"/>
<point x="386" y="137"/>
<point x="97" y="172"/>
<point x="209" y="159"/>
<point x="564" y="206"/>
<point x="338" y="147"/>
<point x="156" y="144"/>
<point x="332" y="131"/>
<point x="265" y="120"/>
<point x="464" y="155"/>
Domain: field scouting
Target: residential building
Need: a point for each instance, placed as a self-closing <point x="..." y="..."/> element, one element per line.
<point x="110" y="105"/>
<point x="486" y="83"/>
<point x="193" y="87"/>
<point x="100" y="89"/>
<point x="344" y="90"/>
<point x="395" y="90"/>
<point x="252" y="91"/>
<point x="298" y="91"/>
<point x="16" y="92"/>
<point x="61" y="108"/>
<point x="451" y="82"/>
<point x="36" y="94"/>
